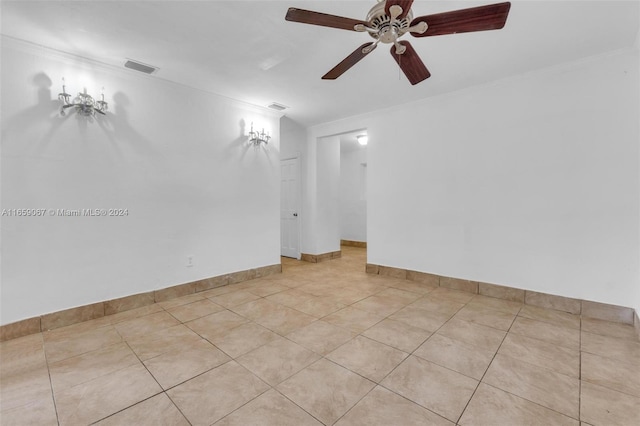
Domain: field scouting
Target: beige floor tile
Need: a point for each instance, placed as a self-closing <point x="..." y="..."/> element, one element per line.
<point x="353" y="319"/>
<point x="551" y="316"/>
<point x="543" y="354"/>
<point x="610" y="329"/>
<point x="545" y="387"/>
<point x="277" y="360"/>
<point x="24" y="388"/>
<point x="492" y="406"/>
<point x="40" y="411"/>
<point x="624" y="350"/>
<point x="195" y="310"/>
<point x="256" y="309"/>
<point x="244" y="338"/>
<point x="158" y="410"/>
<point x="215" y="326"/>
<point x="611" y="373"/>
<point x="284" y="320"/>
<point x="382" y="407"/>
<point x="399" y="295"/>
<point x="321" y="337"/>
<point x="234" y="298"/>
<point x="367" y="357"/>
<point x="502" y="305"/>
<point x="270" y="408"/>
<point x="180" y="365"/>
<point x="421" y="318"/>
<point x="22" y="355"/>
<point x="320" y="306"/>
<point x="209" y="397"/>
<point x="94" y="400"/>
<point x="473" y="334"/>
<point x="349" y="296"/>
<point x="323" y="365"/>
<point x="380" y="305"/>
<point x="436" y="304"/>
<point x="397" y="334"/>
<point x="554" y="334"/>
<point x="163" y="341"/>
<point x="60" y="346"/>
<point x="436" y="388"/>
<point x="325" y="390"/>
<point x="469" y="360"/>
<point x="290" y="298"/>
<point x="266" y="289"/>
<point x="88" y="366"/>
<point x="452" y="295"/>
<point x="604" y="406"/>
<point x="145" y="325"/>
<point x="486" y="316"/>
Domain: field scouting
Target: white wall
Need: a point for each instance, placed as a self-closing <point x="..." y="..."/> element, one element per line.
<point x="353" y="201"/>
<point x="530" y="182"/>
<point x="176" y="158"/>
<point x="328" y="195"/>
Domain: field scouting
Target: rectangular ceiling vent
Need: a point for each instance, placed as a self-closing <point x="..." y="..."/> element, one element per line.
<point x="138" y="66"/>
<point x="277" y="107"/>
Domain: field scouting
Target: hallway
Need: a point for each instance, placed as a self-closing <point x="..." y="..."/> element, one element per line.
<point x="326" y="343"/>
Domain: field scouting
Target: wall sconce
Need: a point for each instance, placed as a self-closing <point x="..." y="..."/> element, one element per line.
<point x="83" y="103"/>
<point x="362" y="139"/>
<point x="256" y="138"/>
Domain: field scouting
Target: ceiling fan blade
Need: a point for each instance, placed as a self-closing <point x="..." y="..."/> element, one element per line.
<point x="322" y="19"/>
<point x="482" y="18"/>
<point x="404" y="4"/>
<point x="410" y="63"/>
<point x="348" y="62"/>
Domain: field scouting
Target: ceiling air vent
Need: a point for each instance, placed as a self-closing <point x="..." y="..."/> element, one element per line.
<point x="134" y="65"/>
<point x="277" y="107"/>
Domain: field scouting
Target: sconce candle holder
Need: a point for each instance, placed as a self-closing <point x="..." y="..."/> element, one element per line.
<point x="256" y="138"/>
<point x="84" y="103"/>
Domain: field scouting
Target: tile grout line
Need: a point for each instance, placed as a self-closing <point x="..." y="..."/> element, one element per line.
<point x="488" y="366"/>
<point x="46" y="361"/>
<point x="580" y="373"/>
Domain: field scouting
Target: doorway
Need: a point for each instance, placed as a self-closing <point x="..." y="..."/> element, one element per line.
<point x="353" y="189"/>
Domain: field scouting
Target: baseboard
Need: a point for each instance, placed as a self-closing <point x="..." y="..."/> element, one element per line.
<point x="585" y="308"/>
<point x="317" y="258"/>
<point x="100" y="309"/>
<point x="351" y="243"/>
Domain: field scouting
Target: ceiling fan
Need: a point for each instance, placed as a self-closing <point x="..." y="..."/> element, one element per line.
<point x="389" y="20"/>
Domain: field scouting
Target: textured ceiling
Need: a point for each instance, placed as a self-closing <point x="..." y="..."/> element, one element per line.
<point x="247" y="51"/>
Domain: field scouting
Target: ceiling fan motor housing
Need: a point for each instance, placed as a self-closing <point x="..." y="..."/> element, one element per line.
<point x="387" y="31"/>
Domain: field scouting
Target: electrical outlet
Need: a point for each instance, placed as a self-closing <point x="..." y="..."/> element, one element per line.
<point x="189" y="261"/>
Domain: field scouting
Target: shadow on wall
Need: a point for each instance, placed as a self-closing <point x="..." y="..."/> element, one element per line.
<point x="45" y="119"/>
<point x="242" y="143"/>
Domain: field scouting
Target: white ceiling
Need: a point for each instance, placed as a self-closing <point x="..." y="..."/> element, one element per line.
<point x="247" y="51"/>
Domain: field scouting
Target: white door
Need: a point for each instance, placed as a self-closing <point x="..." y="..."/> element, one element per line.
<point x="289" y="208"/>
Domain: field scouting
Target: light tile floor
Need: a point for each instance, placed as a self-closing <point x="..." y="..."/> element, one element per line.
<point x="326" y="344"/>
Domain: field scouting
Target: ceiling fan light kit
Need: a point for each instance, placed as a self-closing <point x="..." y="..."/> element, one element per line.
<point x="389" y="20"/>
